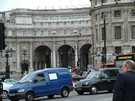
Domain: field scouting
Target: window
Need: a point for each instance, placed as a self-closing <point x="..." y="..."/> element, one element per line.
<point x="96" y="34"/>
<point x="118" y="50"/>
<point x="117" y="32"/>
<point x="95" y="2"/>
<point x="133" y="49"/>
<point x="39" y="77"/>
<point x="133" y="12"/>
<point x="53" y="76"/>
<point x="102" y="15"/>
<point x="103" y="33"/>
<point x="103" y="1"/>
<point x="117" y="13"/>
<point x="133" y="31"/>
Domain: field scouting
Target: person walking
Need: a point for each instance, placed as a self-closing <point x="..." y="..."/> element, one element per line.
<point x="124" y="88"/>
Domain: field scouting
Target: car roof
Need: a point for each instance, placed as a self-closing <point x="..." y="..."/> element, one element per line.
<point x="51" y="69"/>
<point x="109" y="69"/>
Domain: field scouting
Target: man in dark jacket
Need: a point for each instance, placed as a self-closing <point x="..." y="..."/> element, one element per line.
<point x="124" y="89"/>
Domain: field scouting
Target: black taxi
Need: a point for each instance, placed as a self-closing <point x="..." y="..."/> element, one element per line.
<point x="97" y="80"/>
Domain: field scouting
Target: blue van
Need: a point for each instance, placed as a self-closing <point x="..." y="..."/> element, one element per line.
<point x="46" y="82"/>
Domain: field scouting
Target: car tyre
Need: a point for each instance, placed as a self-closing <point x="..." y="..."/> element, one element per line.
<point x="64" y="92"/>
<point x="5" y="94"/>
<point x="29" y="96"/>
<point x="80" y="92"/>
<point x="13" y="99"/>
<point x="94" y="90"/>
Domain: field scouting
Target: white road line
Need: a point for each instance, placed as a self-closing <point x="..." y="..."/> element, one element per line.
<point x="105" y="99"/>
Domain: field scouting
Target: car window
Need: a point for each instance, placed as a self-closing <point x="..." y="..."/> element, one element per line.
<point x="40" y="77"/>
<point x="111" y="73"/>
<point x="27" y="78"/>
<point x="53" y="76"/>
<point x="94" y="74"/>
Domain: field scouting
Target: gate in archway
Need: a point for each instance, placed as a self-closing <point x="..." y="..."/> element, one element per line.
<point x="66" y="56"/>
<point x="42" y="57"/>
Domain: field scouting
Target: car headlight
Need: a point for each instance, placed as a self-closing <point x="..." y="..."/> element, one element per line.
<point x="21" y="90"/>
<point x="86" y="83"/>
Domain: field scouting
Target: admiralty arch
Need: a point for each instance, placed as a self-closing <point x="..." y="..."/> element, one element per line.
<point x="69" y="37"/>
<point x="48" y="38"/>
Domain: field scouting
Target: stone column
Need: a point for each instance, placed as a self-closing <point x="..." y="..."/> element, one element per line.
<point x="18" y="57"/>
<point x="76" y="54"/>
<point x="31" y="57"/>
<point x="54" y="55"/>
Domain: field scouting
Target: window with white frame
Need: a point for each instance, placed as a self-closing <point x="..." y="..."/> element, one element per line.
<point x="117" y="13"/>
<point x="133" y="31"/>
<point x="103" y="33"/>
<point x="117" y="32"/>
<point x="133" y="12"/>
<point x="133" y="49"/>
<point x="103" y="1"/>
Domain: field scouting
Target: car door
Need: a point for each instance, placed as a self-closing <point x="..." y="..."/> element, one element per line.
<point x="103" y="81"/>
<point x="112" y="74"/>
<point x="40" y="84"/>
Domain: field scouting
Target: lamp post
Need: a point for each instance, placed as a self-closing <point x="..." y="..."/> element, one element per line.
<point x="104" y="39"/>
<point x="24" y="65"/>
<point x="8" y="53"/>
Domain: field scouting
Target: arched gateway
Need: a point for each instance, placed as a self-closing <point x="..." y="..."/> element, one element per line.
<point x="66" y="56"/>
<point x="42" y="57"/>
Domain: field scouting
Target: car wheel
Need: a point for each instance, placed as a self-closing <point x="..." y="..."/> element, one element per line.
<point x="94" y="90"/>
<point x="29" y="96"/>
<point x="80" y="92"/>
<point x="5" y="94"/>
<point x="64" y="92"/>
<point x="50" y="96"/>
<point x="13" y="99"/>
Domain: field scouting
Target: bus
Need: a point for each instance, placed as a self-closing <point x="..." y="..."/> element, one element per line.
<point x="120" y="59"/>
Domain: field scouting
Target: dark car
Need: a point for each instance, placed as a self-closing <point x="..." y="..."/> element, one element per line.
<point x="98" y="80"/>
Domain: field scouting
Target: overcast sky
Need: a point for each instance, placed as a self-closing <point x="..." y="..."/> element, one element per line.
<point x="42" y="4"/>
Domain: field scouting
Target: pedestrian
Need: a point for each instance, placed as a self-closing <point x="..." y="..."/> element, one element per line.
<point x="124" y="88"/>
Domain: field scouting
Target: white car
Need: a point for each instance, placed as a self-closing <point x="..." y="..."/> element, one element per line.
<point x="6" y="86"/>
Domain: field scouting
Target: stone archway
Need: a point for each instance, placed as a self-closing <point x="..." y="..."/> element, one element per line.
<point x="85" y="57"/>
<point x="42" y="57"/>
<point x="66" y="56"/>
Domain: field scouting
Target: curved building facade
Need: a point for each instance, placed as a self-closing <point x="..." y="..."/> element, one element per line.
<point x="48" y="38"/>
<point x="118" y="16"/>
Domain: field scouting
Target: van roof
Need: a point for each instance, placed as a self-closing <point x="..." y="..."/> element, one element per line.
<point x="50" y="69"/>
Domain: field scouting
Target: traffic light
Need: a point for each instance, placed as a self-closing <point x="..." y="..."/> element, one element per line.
<point x="2" y="36"/>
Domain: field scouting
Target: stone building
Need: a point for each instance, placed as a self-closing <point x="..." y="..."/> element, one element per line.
<point x="48" y="38"/>
<point x="119" y="16"/>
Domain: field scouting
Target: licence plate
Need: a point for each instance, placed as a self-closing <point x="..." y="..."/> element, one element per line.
<point x="12" y="94"/>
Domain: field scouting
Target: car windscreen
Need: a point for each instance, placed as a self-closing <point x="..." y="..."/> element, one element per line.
<point x="111" y="73"/>
<point x="27" y="78"/>
<point x="92" y="75"/>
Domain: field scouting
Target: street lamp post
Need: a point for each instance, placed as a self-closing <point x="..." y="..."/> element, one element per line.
<point x="7" y="55"/>
<point x="104" y="48"/>
<point x="24" y="65"/>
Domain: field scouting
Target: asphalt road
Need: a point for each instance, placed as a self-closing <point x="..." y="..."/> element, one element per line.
<point x="74" y="97"/>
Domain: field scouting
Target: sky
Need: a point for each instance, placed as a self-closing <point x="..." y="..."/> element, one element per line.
<point x="43" y="4"/>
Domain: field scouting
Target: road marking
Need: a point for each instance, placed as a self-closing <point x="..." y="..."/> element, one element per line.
<point x="105" y="99"/>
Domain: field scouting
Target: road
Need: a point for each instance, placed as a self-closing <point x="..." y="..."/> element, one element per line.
<point x="74" y="97"/>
